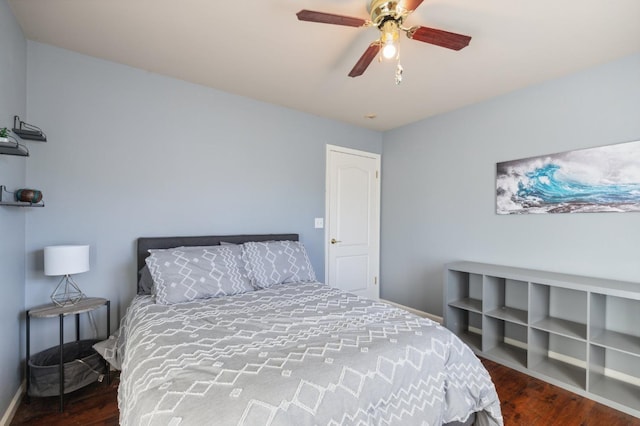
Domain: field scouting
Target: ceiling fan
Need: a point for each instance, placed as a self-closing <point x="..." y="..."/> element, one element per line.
<point x="388" y="16"/>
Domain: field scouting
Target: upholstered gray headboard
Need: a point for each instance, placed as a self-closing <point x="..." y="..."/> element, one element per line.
<point x="146" y="243"/>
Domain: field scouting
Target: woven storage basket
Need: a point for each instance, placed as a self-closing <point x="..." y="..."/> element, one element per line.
<point x="82" y="366"/>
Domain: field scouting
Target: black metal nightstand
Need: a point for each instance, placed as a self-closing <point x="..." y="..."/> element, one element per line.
<point x="49" y="311"/>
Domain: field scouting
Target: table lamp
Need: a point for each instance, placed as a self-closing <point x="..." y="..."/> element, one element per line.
<point x="66" y="260"/>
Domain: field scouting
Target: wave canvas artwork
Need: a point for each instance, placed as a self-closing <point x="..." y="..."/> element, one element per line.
<point x="603" y="179"/>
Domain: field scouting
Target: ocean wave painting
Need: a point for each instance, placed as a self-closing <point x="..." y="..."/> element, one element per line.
<point x="603" y="179"/>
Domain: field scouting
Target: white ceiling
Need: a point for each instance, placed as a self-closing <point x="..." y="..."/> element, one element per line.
<point x="259" y="49"/>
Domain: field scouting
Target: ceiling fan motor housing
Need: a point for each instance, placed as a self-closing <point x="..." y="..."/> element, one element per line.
<point x="384" y="10"/>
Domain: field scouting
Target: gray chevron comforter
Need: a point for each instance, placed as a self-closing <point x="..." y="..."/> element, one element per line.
<point x="295" y="354"/>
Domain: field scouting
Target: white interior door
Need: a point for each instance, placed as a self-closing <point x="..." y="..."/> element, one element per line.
<point x="353" y="221"/>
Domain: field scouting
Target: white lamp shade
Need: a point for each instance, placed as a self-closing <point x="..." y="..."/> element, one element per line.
<point x="66" y="260"/>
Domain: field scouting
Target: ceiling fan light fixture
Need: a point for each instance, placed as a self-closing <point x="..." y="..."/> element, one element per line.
<point x="390" y="39"/>
<point x="388" y="17"/>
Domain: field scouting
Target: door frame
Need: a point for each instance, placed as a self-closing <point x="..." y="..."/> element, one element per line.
<point x="378" y="157"/>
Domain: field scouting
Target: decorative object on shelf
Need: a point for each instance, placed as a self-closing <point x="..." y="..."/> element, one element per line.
<point x="10" y="146"/>
<point x="28" y="195"/>
<point x="4" y="134"/>
<point x="65" y="261"/>
<point x="28" y="131"/>
<point x="22" y="199"/>
<point x="593" y="180"/>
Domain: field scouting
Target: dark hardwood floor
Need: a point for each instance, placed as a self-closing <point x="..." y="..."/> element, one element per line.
<point x="525" y="401"/>
<point x="96" y="404"/>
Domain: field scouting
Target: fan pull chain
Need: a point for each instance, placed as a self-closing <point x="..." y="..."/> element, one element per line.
<point x="399" y="71"/>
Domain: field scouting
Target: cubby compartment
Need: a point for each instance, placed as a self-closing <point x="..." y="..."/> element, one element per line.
<point x="464" y="290"/>
<point x="467" y="326"/>
<point x="506" y="299"/>
<point x="559" y="310"/>
<point x="505" y="340"/>
<point x="615" y="375"/>
<point x="561" y="358"/>
<point x="614" y="322"/>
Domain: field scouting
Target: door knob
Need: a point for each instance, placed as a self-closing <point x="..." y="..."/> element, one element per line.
<point x="333" y="241"/>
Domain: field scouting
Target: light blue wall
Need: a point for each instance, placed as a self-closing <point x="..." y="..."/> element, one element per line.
<point x="438" y="189"/>
<point x="13" y="94"/>
<point x="131" y="154"/>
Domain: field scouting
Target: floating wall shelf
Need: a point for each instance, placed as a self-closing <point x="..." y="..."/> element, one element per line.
<point x="13" y="148"/>
<point x="10" y="146"/>
<point x="28" y="131"/>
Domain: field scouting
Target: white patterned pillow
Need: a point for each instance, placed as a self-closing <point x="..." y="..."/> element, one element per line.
<point x="277" y="262"/>
<point x="182" y="274"/>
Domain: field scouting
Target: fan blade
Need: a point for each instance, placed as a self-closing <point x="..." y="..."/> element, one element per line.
<point x="439" y="37"/>
<point x="361" y="66"/>
<point x="329" y="18"/>
<point x="411" y="4"/>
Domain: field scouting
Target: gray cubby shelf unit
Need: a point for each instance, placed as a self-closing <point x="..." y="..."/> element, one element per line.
<point x="579" y="333"/>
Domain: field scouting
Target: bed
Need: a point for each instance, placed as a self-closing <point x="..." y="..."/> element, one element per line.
<point x="294" y="352"/>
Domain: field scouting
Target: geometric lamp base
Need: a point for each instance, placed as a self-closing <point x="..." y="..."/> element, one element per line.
<point x="68" y="294"/>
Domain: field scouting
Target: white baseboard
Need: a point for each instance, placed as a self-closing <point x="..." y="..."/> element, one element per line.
<point x="414" y="311"/>
<point x="13" y="406"/>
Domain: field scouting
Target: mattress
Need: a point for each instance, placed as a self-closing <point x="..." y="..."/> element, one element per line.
<point x="295" y="354"/>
